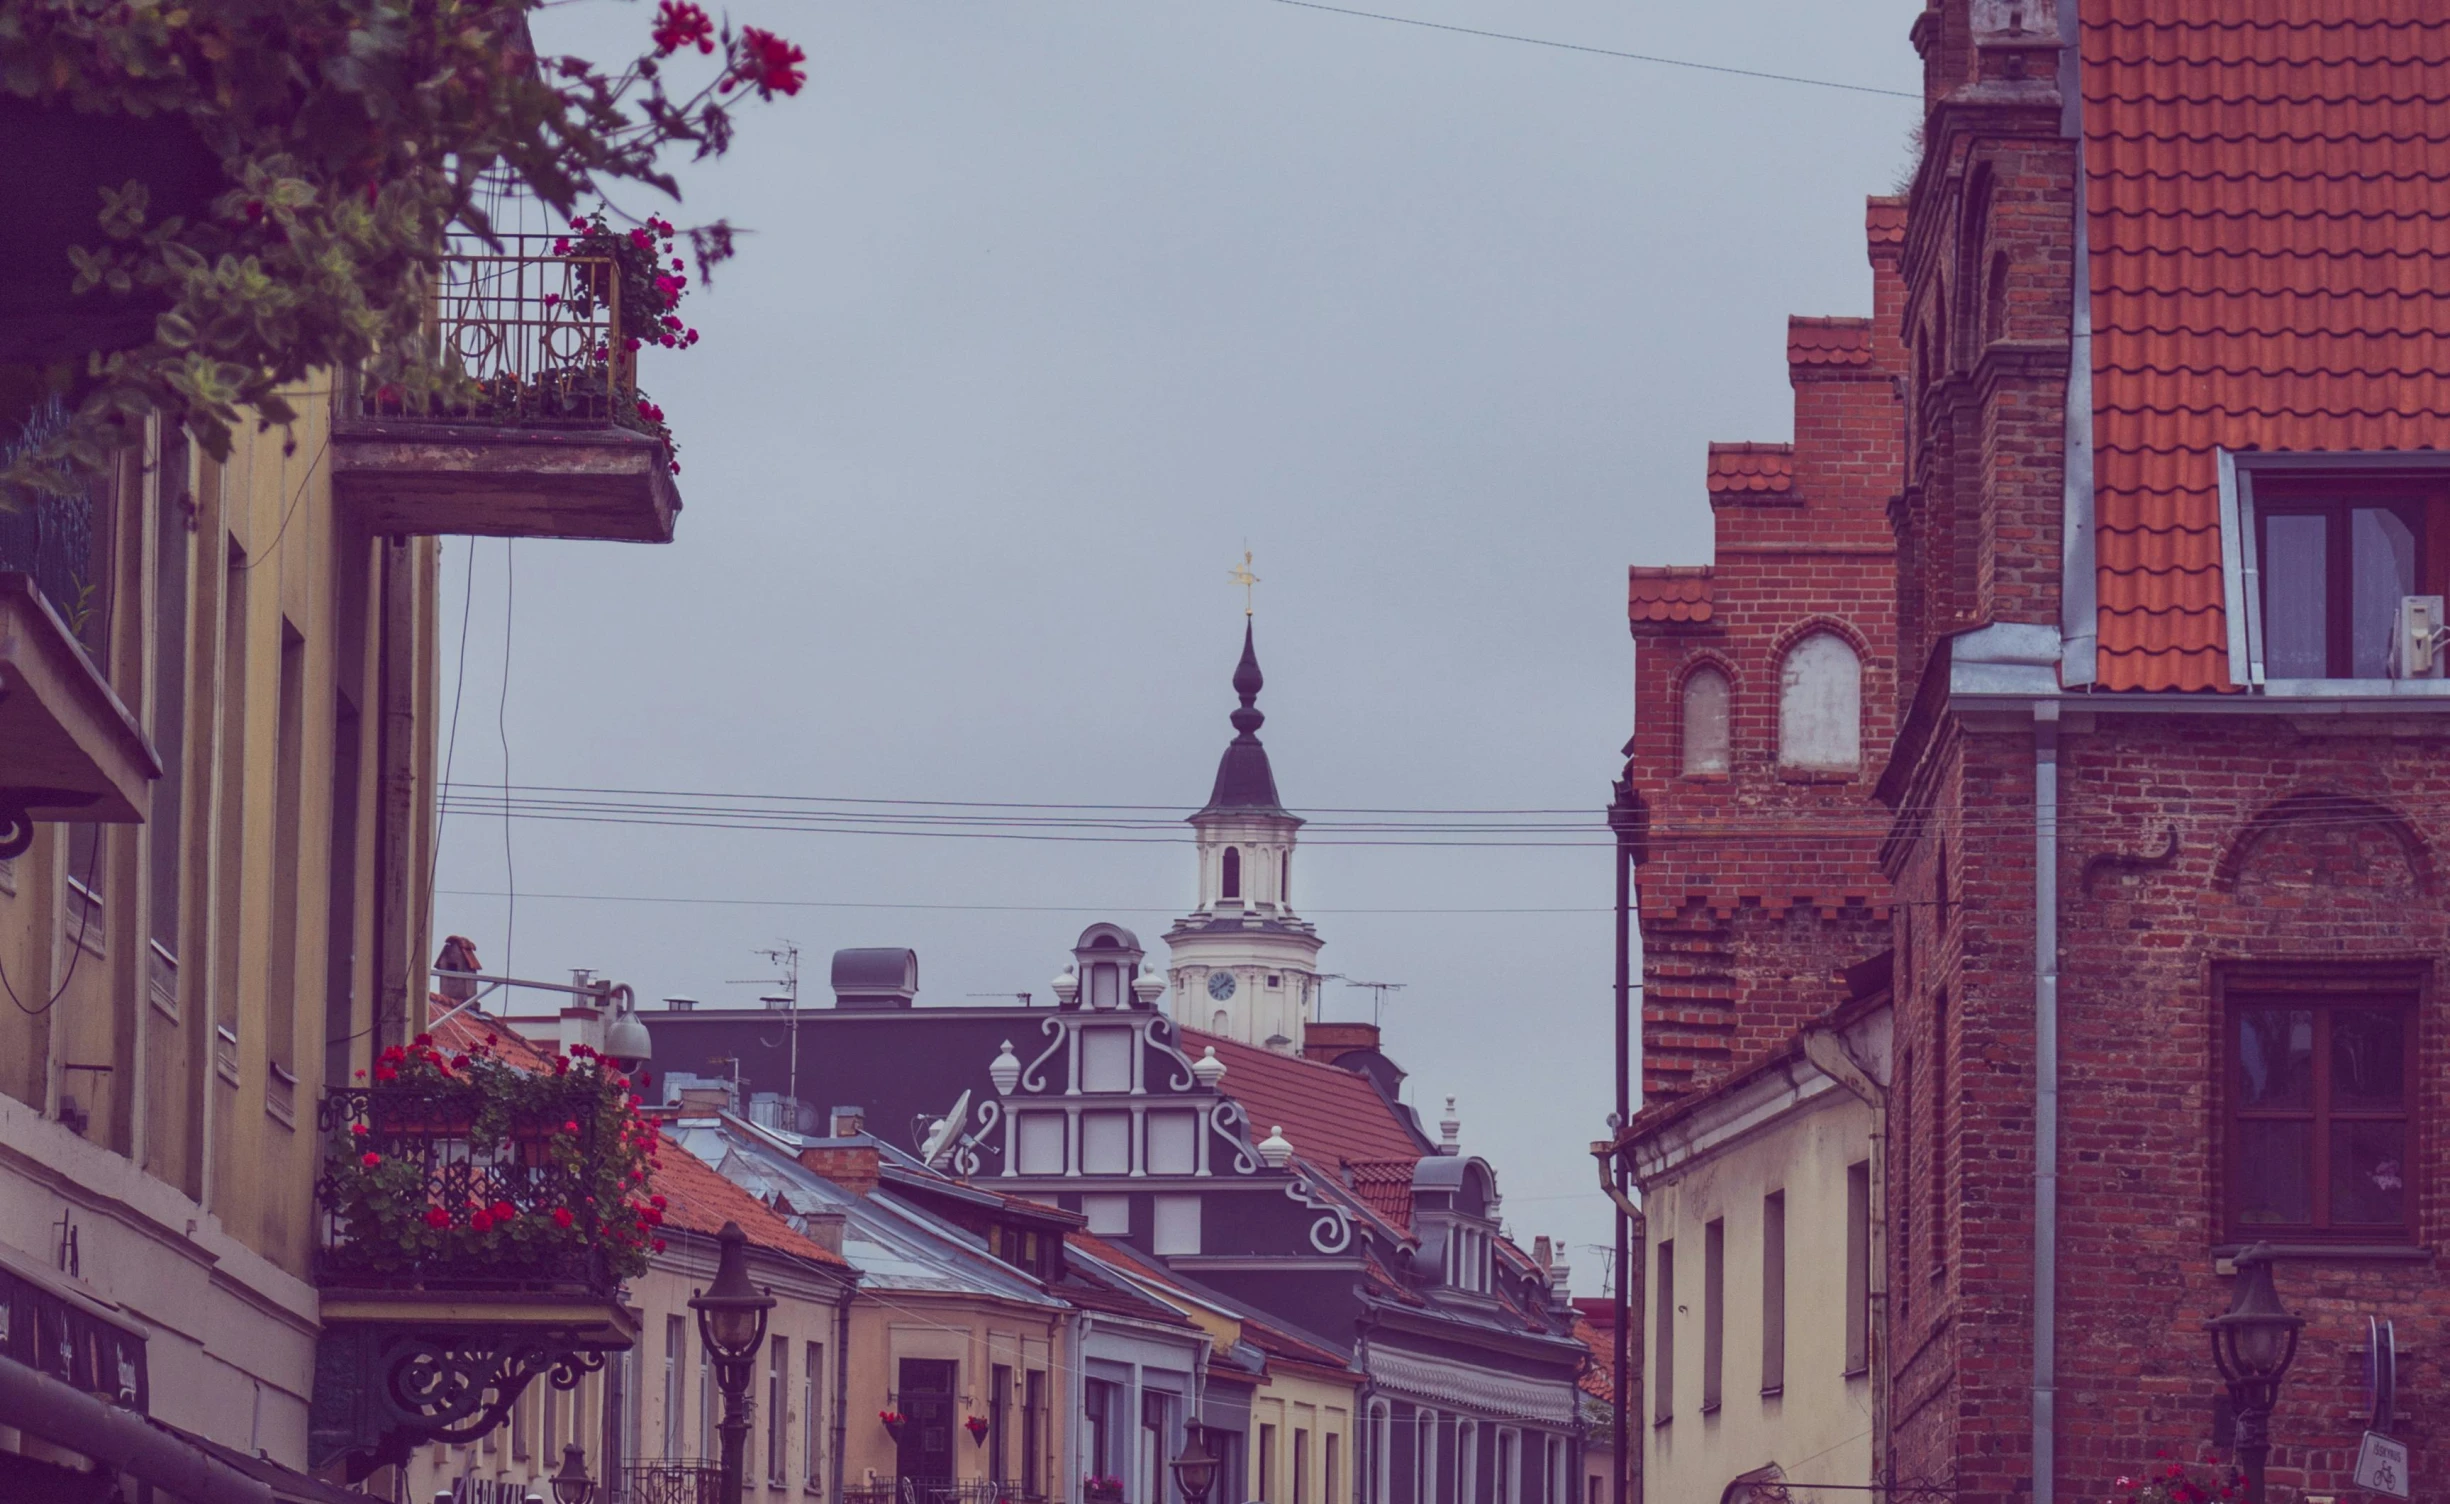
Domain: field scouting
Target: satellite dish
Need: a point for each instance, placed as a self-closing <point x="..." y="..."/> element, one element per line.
<point x="948" y="1127"/>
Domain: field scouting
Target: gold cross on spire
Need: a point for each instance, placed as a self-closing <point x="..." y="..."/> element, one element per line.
<point x="1243" y="577"/>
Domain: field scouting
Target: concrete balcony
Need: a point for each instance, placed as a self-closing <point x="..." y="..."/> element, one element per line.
<point x="69" y="749"/>
<point x="542" y="434"/>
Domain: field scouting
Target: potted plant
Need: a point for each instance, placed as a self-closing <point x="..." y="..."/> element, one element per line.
<point x="2175" y="1483"/>
<point x="1102" y="1490"/>
<point x="976" y="1425"/>
<point x="895" y="1423"/>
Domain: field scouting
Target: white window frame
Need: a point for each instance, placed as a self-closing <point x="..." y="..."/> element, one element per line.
<point x="2241" y="581"/>
<point x="1425" y="1457"/>
<point x="1467" y="1462"/>
<point x="1382" y="1442"/>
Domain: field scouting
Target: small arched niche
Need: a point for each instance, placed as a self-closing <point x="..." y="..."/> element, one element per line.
<point x="1820" y="706"/>
<point x="1704" y="713"/>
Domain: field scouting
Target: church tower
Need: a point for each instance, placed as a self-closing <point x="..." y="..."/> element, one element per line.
<point x="1243" y="964"/>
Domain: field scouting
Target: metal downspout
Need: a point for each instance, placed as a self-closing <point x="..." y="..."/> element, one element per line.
<point x="2045" y="1098"/>
<point x="1073" y="1434"/>
<point x="842" y="1383"/>
<point x="1827" y="1049"/>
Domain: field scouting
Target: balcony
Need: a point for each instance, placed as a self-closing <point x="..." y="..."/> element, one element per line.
<point x="541" y="433"/>
<point x="69" y="749"/>
<point x="668" y="1483"/>
<point x="475" y="1223"/>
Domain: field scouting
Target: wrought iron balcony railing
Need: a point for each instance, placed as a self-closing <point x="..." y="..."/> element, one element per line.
<point x="535" y="338"/>
<point x="436" y="1186"/>
<point x="668" y="1482"/>
<point x="51" y="537"/>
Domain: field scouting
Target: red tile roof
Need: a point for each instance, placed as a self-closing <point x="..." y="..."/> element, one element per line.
<point x="1884" y="221"/>
<point x="1330" y="1114"/>
<point x="1736" y="469"/>
<point x="1598" y="1375"/>
<point x="698" y="1199"/>
<point x="2264" y="181"/>
<point x="1678" y="593"/>
<point x="462" y="1033"/>
<point x="1384" y="1186"/>
<point x="1828" y="342"/>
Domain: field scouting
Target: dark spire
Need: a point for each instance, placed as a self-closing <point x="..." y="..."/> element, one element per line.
<point x="1244" y="781"/>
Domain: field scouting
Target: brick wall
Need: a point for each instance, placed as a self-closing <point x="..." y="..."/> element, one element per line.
<point x="1760" y="883"/>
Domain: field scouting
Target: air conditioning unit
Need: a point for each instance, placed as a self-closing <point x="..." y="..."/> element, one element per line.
<point x="2417" y="638"/>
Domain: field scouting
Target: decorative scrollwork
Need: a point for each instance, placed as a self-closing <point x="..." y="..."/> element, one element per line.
<point x="966" y="1154"/>
<point x="1229" y="1122"/>
<point x="455" y="1389"/>
<point x="1160" y="1032"/>
<point x="1333" y="1231"/>
<point x="1030" y="1079"/>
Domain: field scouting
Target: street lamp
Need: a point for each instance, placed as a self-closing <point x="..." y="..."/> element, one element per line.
<point x="2254" y="1342"/>
<point x="732" y="1325"/>
<point x="1194" y="1470"/>
<point x="571" y="1485"/>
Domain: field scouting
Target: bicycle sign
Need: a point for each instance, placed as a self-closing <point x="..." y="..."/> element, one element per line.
<point x="2381" y="1465"/>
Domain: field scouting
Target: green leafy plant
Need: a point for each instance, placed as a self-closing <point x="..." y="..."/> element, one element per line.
<point x="352" y="137"/>
<point x="467" y="1166"/>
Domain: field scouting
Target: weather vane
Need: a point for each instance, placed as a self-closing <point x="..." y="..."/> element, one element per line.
<point x="1243" y="577"/>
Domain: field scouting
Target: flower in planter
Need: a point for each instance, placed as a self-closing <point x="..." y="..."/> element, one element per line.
<point x="561" y="1216"/>
<point x="436" y="1217"/>
<point x="371" y="1160"/>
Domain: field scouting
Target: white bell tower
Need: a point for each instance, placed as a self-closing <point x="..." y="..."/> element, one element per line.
<point x="1243" y="964"/>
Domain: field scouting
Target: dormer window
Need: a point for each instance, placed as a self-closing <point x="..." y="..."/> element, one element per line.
<point x="1467" y="1259"/>
<point x="2319" y="552"/>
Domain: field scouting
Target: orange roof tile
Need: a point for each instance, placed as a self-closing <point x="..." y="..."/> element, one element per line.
<point x="1328" y="1113"/>
<point x="1384" y="1186"/>
<point x="1740" y="468"/>
<point x="2263" y="185"/>
<point x="698" y="1199"/>
<point x="1678" y="593"/>
<point x="460" y="1033"/>
<point x="1827" y="342"/>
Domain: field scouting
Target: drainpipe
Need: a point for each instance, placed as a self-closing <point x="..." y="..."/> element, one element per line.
<point x="1075" y="1460"/>
<point x="2045" y="1096"/>
<point x="1828" y="1050"/>
<point x="842" y="1382"/>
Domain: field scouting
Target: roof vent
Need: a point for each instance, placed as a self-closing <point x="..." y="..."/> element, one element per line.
<point x="680" y="1004"/>
<point x="875" y="977"/>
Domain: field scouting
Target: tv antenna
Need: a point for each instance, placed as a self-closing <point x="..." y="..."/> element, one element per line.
<point x="784" y="957"/>
<point x="1023" y="996"/>
<point x="1378" y="992"/>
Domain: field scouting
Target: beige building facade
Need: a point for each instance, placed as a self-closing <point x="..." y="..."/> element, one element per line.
<point x="1762" y="1274"/>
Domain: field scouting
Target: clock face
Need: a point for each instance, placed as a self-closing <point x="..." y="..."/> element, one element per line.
<point x="1220" y="985"/>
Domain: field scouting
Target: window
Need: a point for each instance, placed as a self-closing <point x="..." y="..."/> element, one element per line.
<point x="1175" y="1228"/>
<point x="548" y="1400"/>
<point x="1705" y="721"/>
<point x="999" y="1409"/>
<point x="1713" y="1311"/>
<point x="1425" y="1457"/>
<point x="1773" y="1292"/>
<point x="1266" y="1480"/>
<point x="1232" y="887"/>
<point x="1156" y="1413"/>
<point x="706" y="1401"/>
<point x="778" y="1413"/>
<point x="1378" y="1446"/>
<point x="2319" y="1093"/>
<point x="1820" y="706"/>
<point x="812" y="1410"/>
<point x="1097" y="1413"/>
<point x="288" y="822"/>
<point x="1858" y="1267"/>
<point x="1467" y="1462"/>
<point x="1033" y="1428"/>
<point x="1663" y="1337"/>
<point x="164" y="824"/>
<point x="1301" y="1465"/>
<point x="1331" y="1489"/>
<point x="1504" y="1485"/>
<point x="1284" y="879"/>
<point x="230" y="821"/>
<point x="674" y="1327"/>
<point x="2333" y="570"/>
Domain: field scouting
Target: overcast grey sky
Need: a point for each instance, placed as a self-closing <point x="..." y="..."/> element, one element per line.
<point x="1051" y="306"/>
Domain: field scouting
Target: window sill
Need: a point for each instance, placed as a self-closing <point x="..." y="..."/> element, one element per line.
<point x="1710" y="1408"/>
<point x="1859" y="1371"/>
<point x="1773" y="1391"/>
<point x="2355" y="689"/>
<point x="1832" y="777"/>
<point x="2398" y="1253"/>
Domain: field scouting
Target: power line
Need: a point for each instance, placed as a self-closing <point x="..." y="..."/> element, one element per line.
<point x="1637" y="57"/>
<point x="962" y="908"/>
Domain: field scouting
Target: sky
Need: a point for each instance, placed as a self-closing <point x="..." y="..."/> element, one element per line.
<point x="1050" y="309"/>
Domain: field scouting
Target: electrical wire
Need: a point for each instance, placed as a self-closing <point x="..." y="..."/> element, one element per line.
<point x="510" y="870"/>
<point x="965" y="908"/>
<point x="1638" y="57"/>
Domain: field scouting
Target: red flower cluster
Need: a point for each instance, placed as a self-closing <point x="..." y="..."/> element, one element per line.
<point x="679" y="25"/>
<point x="766" y="61"/>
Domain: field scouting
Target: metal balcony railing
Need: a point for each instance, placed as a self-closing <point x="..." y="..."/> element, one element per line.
<point x="964" y="1491"/>
<point x="384" y="1237"/>
<point x="50" y="537"/>
<point x="670" y="1482"/>
<point x="531" y="338"/>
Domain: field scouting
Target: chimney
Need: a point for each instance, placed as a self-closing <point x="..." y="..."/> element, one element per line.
<point x="848" y="1122"/>
<point x="850" y="1166"/>
<point x="875" y="977"/>
<point x="1328" y="1043"/>
<point x="1540" y="1253"/>
<point x="824" y="1229"/>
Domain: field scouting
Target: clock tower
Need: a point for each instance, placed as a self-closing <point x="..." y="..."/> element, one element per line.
<point x="1243" y="964"/>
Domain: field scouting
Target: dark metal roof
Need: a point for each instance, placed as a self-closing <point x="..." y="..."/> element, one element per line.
<point x="1244" y="781"/>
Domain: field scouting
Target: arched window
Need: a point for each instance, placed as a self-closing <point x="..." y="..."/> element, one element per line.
<point x="1705" y="721"/>
<point x="1233" y="873"/>
<point x="1820" y="706"/>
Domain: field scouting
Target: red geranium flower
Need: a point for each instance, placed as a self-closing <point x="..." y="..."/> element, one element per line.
<point x="503" y="1211"/>
<point x="679" y="25"/>
<point x="436" y="1217"/>
<point x="561" y="1216"/>
<point x="371" y="1160"/>
<point x="767" y="62"/>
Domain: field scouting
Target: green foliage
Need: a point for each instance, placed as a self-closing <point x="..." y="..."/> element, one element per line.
<point x="352" y="136"/>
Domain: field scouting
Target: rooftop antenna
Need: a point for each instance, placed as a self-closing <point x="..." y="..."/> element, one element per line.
<point x="1023" y="996"/>
<point x="1378" y="992"/>
<point x="784" y="956"/>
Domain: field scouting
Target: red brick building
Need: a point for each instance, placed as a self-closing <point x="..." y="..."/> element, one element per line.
<point x="1765" y="693"/>
<point x="2160" y="793"/>
<point x="2163" y="853"/>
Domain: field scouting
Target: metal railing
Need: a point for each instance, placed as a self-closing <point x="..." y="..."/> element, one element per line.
<point x="525" y="336"/>
<point x="50" y="537"/>
<point x="458" y="1170"/>
<point x="964" y="1491"/>
<point x="694" y="1482"/>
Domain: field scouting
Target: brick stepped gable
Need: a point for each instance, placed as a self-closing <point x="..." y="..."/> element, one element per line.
<point x="1760" y="883"/>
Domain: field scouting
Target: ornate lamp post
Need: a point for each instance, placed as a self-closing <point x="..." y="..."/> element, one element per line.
<point x="732" y="1325"/>
<point x="2254" y="1342"/>
<point x="571" y="1485"/>
<point x="1194" y="1470"/>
